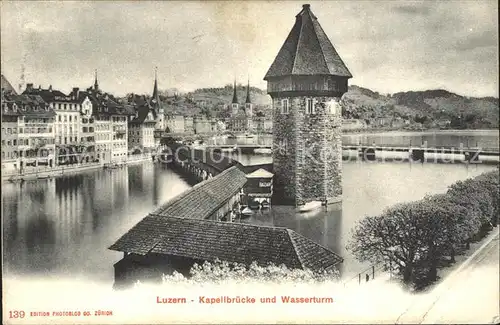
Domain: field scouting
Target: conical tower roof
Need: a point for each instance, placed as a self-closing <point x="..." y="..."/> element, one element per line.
<point x="235" y="97"/>
<point x="248" y="101"/>
<point x="307" y="51"/>
<point x="155" y="98"/>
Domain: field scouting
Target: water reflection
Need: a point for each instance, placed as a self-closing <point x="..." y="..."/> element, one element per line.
<point x="368" y="189"/>
<point x="63" y="226"/>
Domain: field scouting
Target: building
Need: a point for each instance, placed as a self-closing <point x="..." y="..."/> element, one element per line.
<point x="203" y="125"/>
<point x="259" y="187"/>
<point x="27" y="131"/>
<point x="188" y="230"/>
<point x="111" y="125"/>
<point x="306" y="81"/>
<point x="75" y="142"/>
<point x="162" y="245"/>
<point x="158" y="111"/>
<point x="174" y="124"/>
<point x="241" y="120"/>
<point x="141" y="127"/>
<point x="188" y="125"/>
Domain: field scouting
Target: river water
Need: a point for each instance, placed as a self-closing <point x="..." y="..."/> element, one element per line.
<point x="62" y="227"/>
<point x="486" y="139"/>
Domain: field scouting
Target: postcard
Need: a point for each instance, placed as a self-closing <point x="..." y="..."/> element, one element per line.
<point x="236" y="162"/>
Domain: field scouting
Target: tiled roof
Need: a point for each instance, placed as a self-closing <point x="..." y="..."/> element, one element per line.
<point x="143" y="109"/>
<point x="307" y="51"/>
<point x="27" y="105"/>
<point x="48" y="95"/>
<point x="226" y="241"/>
<point x="206" y="197"/>
<point x="6" y="86"/>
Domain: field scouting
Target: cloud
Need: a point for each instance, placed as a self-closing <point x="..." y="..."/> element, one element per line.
<point x="486" y="38"/>
<point x="387" y="44"/>
<point x="413" y="10"/>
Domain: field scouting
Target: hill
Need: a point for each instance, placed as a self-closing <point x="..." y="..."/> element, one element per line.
<point x="430" y="108"/>
<point x="413" y="109"/>
<point x="212" y="101"/>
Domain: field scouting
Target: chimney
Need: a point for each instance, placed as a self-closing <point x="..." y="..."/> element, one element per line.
<point x="29" y="87"/>
<point x="39" y="87"/>
<point x="50" y="88"/>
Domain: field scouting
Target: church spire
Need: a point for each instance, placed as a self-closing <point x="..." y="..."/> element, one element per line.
<point x="248" y="101"/>
<point x="96" y="84"/>
<point x="235" y="97"/>
<point x="155" y="99"/>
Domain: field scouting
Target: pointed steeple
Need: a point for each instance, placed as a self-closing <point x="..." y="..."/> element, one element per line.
<point x="96" y="84"/>
<point x="235" y="97"/>
<point x="248" y="101"/>
<point x="307" y="51"/>
<point x="155" y="99"/>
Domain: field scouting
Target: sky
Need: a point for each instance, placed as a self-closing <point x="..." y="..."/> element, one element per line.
<point x="389" y="46"/>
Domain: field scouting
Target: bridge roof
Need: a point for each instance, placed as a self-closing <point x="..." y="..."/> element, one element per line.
<point x="208" y="157"/>
<point x="260" y="173"/>
<point x="226" y="241"/>
<point x="206" y="197"/>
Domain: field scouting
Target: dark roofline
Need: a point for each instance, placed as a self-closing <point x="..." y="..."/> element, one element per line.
<point x="283" y="230"/>
<point x="318" y="244"/>
<point x="196" y="186"/>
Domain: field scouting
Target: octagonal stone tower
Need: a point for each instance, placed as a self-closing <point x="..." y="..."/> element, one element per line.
<point x="306" y="81"/>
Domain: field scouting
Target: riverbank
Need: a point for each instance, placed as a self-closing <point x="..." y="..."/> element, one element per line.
<point x="48" y="172"/>
<point x="409" y="131"/>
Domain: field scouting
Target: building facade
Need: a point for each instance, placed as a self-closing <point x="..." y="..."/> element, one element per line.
<point x="306" y="92"/>
<point x="141" y="127"/>
<point x="174" y="124"/>
<point x="27" y="132"/>
<point x="242" y="117"/>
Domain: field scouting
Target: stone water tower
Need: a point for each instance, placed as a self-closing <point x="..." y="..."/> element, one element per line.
<point x="306" y="81"/>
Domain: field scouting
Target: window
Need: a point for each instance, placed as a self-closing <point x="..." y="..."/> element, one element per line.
<point x="284" y="106"/>
<point x="310" y="106"/>
<point x="70" y="118"/>
<point x="65" y="106"/>
<point x="59" y="118"/>
<point x="14" y="142"/>
<point x="9" y="131"/>
<point x="65" y="118"/>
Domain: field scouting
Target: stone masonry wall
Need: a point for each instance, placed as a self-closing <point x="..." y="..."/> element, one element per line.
<point x="311" y="167"/>
<point x="283" y="152"/>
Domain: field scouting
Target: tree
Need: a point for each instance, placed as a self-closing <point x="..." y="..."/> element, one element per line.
<point x="223" y="272"/>
<point x="393" y="237"/>
<point x="459" y="226"/>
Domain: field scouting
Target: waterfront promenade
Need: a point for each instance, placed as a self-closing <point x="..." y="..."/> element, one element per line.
<point x="41" y="172"/>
